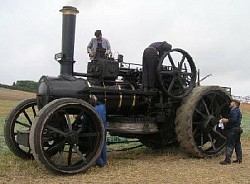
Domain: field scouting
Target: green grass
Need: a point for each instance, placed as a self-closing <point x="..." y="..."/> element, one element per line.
<point x="3" y="147"/>
<point x="246" y="125"/>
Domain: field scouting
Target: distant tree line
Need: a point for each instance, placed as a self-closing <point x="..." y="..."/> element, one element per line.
<point x="23" y="85"/>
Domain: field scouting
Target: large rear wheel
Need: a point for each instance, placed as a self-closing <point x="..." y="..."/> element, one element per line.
<point x="197" y="119"/>
<point x="67" y="136"/>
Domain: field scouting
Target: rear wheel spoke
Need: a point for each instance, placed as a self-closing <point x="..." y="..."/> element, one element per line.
<point x="220" y="134"/>
<point x="211" y="140"/>
<point x="206" y="108"/>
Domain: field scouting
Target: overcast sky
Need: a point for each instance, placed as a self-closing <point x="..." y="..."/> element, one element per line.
<point x="216" y="33"/>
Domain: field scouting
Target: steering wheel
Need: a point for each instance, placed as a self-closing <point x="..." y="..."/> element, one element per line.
<point x="176" y="73"/>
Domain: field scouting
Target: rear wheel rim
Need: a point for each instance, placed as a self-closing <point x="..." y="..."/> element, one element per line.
<point x="197" y="120"/>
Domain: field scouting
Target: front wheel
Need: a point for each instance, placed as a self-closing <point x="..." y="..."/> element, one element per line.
<point x="68" y="136"/>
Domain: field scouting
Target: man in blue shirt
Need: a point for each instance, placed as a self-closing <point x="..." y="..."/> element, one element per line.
<point x="233" y="126"/>
<point x="97" y="45"/>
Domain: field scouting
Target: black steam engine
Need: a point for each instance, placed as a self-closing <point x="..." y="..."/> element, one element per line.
<point x="62" y="130"/>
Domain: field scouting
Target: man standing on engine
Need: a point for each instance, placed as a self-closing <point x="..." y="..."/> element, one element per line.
<point x="98" y="46"/>
<point x="150" y="61"/>
<point x="233" y="126"/>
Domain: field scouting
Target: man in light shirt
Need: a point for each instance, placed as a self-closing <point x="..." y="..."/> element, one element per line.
<point x="98" y="46"/>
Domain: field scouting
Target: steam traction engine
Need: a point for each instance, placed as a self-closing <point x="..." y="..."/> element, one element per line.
<point x="62" y="131"/>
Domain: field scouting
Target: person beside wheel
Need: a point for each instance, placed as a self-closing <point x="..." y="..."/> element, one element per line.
<point x="101" y="110"/>
<point x="150" y="61"/>
<point x="234" y="130"/>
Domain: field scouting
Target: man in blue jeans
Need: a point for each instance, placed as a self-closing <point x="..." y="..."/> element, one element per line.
<point x="233" y="126"/>
<point x="101" y="110"/>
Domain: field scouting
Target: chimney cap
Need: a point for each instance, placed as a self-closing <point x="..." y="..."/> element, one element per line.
<point x="69" y="10"/>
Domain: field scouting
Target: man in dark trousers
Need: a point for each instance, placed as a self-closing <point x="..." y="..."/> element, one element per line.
<point x="150" y="61"/>
<point x="233" y="126"/>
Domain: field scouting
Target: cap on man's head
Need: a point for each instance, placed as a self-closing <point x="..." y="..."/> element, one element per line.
<point x="237" y="102"/>
<point x="98" y="33"/>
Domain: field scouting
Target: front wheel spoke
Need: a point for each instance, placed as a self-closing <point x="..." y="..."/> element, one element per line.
<point x="56" y="130"/>
<point x="88" y="134"/>
<point x="27" y="117"/>
<point x="23" y="124"/>
<point x="79" y="130"/>
<point x="202" y="139"/>
<point x="70" y="155"/>
<point x="79" y="154"/>
<point x="56" y="147"/>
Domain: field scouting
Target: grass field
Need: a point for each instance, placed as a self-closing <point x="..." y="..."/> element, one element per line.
<point x="140" y="165"/>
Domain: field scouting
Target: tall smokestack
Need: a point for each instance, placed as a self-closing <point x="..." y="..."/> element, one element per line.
<point x="68" y="40"/>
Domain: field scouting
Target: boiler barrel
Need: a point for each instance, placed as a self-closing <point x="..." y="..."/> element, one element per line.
<point x="113" y="95"/>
